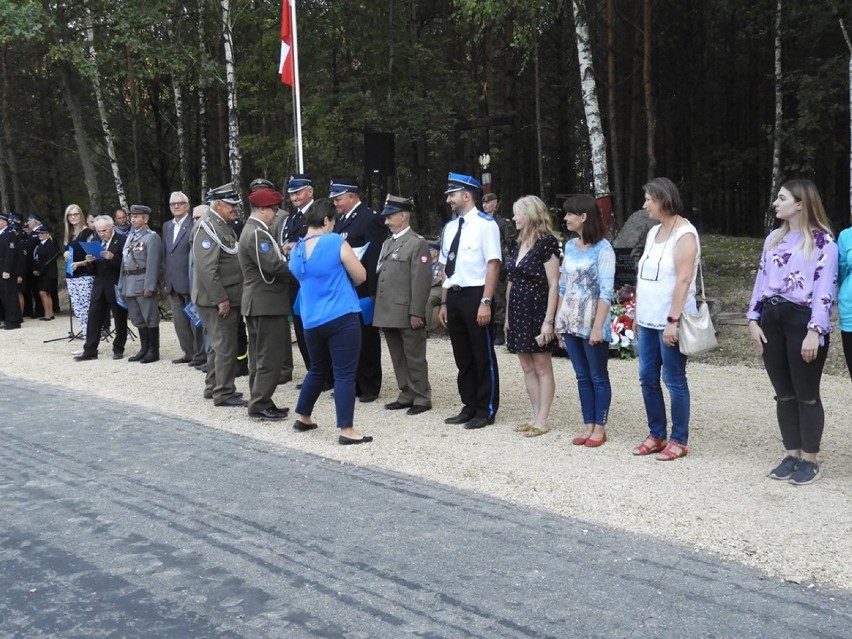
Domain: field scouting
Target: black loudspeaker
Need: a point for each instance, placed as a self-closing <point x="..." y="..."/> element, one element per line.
<point x="378" y="153"/>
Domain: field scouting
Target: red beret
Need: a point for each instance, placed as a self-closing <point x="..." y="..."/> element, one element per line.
<point x="265" y="197"/>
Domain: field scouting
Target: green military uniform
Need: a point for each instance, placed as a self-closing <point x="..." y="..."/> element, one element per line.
<point x="217" y="277"/>
<point x="265" y="306"/>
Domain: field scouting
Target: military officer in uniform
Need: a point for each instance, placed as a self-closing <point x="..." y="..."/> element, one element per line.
<point x="265" y="302"/>
<point x="217" y="288"/>
<point x="470" y="253"/>
<point x="405" y="279"/>
<point x="364" y="231"/>
<point x="9" y="264"/>
<point x="142" y="261"/>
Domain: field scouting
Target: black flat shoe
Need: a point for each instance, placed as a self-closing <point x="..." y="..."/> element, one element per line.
<point x="268" y="413"/>
<point x="416" y="410"/>
<point x="118" y="355"/>
<point x="366" y="399"/>
<point x="348" y="441"/>
<point x="281" y="411"/>
<point x="478" y="422"/>
<point x="82" y="357"/>
<point x="461" y="418"/>
<point x="397" y="406"/>
<point x="302" y="427"/>
<point x="45" y="319"/>
<point x="232" y="402"/>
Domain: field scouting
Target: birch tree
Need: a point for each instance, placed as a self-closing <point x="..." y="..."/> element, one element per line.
<point x="202" y="103"/>
<point x="597" y="139"/>
<point x="234" y="157"/>
<point x="89" y="34"/>
<point x="849" y="46"/>
<point x="769" y="215"/>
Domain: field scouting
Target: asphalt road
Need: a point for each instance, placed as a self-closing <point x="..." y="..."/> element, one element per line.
<point x="120" y="524"/>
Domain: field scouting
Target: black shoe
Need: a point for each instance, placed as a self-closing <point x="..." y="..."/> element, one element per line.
<point x="461" y="418"/>
<point x="302" y="427"/>
<point x="209" y="394"/>
<point x="327" y="386"/>
<point x="45" y="319"/>
<point x="366" y="399"/>
<point x="268" y="413"/>
<point x="478" y="422"/>
<point x="82" y="357"/>
<point x="299" y="386"/>
<point x="281" y="411"/>
<point x="242" y="368"/>
<point x="232" y="401"/>
<point x="397" y="406"/>
<point x="203" y="368"/>
<point x="348" y="441"/>
<point x="181" y="360"/>
<point x="195" y="363"/>
<point x="416" y="410"/>
<point x="499" y="341"/>
<point x="11" y="327"/>
<point x="118" y="355"/>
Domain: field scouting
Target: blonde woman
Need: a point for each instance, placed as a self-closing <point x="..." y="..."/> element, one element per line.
<point x="531" y="295"/>
<point x="81" y="278"/>
<point x="789" y="319"/>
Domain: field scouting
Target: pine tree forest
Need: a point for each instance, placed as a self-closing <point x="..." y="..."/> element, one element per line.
<point x="123" y="101"/>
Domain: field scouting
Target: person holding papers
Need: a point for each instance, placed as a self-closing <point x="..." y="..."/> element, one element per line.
<point x="364" y="231"/>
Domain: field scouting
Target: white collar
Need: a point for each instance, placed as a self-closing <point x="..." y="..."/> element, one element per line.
<point x="396" y="236"/>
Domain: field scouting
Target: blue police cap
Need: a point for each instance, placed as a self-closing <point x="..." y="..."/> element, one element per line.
<point x="459" y="182"/>
<point x="298" y="181"/>
<point x="339" y="186"/>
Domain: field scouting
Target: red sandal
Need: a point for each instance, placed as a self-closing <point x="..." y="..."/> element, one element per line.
<point x="650" y="446"/>
<point x="672" y="451"/>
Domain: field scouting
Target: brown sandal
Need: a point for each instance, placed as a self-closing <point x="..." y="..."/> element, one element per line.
<point x="650" y="446"/>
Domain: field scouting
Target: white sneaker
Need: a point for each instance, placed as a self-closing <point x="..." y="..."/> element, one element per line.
<point x="76" y="353"/>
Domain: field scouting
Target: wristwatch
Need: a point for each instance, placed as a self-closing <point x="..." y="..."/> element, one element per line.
<point x="673" y="320"/>
<point x="486" y="301"/>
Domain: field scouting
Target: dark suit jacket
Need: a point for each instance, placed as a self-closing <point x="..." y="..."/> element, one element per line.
<point x="176" y="256"/>
<point x="365" y="225"/>
<point x="107" y="272"/>
<point x="44" y="259"/>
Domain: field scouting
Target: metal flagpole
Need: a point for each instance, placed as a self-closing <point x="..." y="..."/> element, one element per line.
<point x="297" y="97"/>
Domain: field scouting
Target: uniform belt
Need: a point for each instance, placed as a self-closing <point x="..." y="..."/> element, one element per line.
<point x="456" y="288"/>
<point x="135" y="271"/>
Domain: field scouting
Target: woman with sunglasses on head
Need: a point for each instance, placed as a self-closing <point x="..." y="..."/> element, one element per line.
<point x="81" y="279"/>
<point x="586" y="288"/>
<point x="665" y="289"/>
<point x="789" y="320"/>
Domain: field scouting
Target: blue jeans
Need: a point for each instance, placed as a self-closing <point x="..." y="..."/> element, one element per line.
<point x="654" y="355"/>
<point x="590" y="367"/>
<point x="336" y="344"/>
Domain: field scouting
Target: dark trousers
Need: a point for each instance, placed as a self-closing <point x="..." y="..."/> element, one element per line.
<point x="846" y="337"/>
<point x="265" y="358"/>
<point x="368" y="379"/>
<point x="9" y="301"/>
<point x="299" y="328"/>
<point x="801" y="416"/>
<point x="99" y="308"/>
<point x="473" y="350"/>
<point x="333" y="345"/>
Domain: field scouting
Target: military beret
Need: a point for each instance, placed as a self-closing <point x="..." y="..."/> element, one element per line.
<point x="227" y="193"/>
<point x="259" y="184"/>
<point x="298" y="181"/>
<point x="459" y="182"/>
<point x="339" y="186"/>
<point x="140" y="209"/>
<point x="265" y="197"/>
<point x="394" y="204"/>
<point x="490" y="196"/>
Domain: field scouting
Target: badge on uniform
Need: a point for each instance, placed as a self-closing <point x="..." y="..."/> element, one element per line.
<point x="424" y="259"/>
<point x="206" y="244"/>
<point x="451" y="256"/>
<point x="344" y="235"/>
<point x="264" y="246"/>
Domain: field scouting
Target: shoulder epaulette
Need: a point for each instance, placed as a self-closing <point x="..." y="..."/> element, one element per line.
<point x="485" y="216"/>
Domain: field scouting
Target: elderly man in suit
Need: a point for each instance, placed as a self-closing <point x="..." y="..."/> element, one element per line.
<point x="140" y="276"/>
<point x="405" y="279"/>
<point x="176" y="247"/>
<point x="363" y="229"/>
<point x="217" y="289"/>
<point x="107" y="267"/>
<point x="265" y="303"/>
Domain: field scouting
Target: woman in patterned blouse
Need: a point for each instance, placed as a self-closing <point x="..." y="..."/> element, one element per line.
<point x="789" y="321"/>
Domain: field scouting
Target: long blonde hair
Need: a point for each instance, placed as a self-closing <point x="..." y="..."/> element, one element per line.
<point x="813" y="214"/>
<point x="537" y="216"/>
<point x="70" y="230"/>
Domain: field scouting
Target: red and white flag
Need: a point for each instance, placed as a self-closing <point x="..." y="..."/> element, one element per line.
<point x="285" y="66"/>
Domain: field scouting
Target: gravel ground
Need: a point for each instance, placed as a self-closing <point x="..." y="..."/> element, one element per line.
<point x="718" y="499"/>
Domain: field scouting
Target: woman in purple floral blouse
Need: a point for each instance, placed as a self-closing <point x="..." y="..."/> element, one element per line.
<point x="789" y="321"/>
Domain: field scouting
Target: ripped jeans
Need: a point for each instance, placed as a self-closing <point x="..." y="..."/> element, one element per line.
<point x="801" y="416"/>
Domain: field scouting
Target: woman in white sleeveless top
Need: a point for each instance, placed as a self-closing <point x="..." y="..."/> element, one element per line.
<point x="665" y="289"/>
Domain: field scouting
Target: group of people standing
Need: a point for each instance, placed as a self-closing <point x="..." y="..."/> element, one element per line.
<point x="344" y="272"/>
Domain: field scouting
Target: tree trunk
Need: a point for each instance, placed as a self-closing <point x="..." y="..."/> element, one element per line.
<point x="849" y="45"/>
<point x="649" y="95"/>
<point x="133" y="102"/>
<point x="181" y="133"/>
<point x="4" y="183"/>
<point x="99" y="97"/>
<point x="769" y="216"/>
<point x="617" y="196"/>
<point x="202" y="105"/>
<point x="540" y="153"/>
<point x="597" y="139"/>
<point x="75" y="110"/>
<point x="234" y="157"/>
<point x="8" y="155"/>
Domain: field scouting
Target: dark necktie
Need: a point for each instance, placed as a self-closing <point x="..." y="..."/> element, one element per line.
<point x="450" y="268"/>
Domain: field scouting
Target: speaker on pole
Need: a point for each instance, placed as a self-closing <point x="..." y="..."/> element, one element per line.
<point x="378" y="153"/>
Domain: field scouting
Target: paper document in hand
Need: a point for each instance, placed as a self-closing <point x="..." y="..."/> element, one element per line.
<point x="359" y="252"/>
